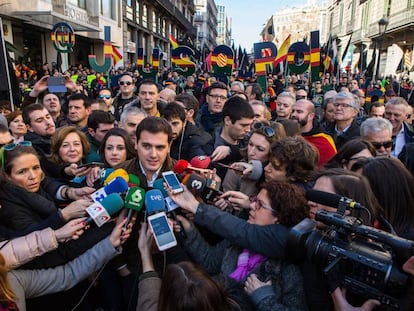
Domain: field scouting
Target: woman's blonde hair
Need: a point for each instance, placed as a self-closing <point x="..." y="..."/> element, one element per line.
<point x="6" y="293"/>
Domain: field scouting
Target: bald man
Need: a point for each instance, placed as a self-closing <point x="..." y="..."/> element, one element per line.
<point x="303" y="111"/>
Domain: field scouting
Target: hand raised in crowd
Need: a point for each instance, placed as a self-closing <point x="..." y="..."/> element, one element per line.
<point x="242" y="168"/>
<point x="341" y="304"/>
<point x="93" y="175"/>
<point x="119" y="235"/>
<point x="80" y="193"/>
<point x="70" y="85"/>
<point x="72" y="230"/>
<point x="220" y="153"/>
<point x="75" y="209"/>
<point x="144" y="245"/>
<point x="39" y="87"/>
<point x="252" y="283"/>
<point x="186" y="224"/>
<point x="74" y="170"/>
<point x="236" y="199"/>
<point x="184" y="199"/>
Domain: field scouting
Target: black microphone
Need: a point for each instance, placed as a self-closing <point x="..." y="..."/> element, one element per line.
<point x="331" y="199"/>
<point x="207" y="189"/>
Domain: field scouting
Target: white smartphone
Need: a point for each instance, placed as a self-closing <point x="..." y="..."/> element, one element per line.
<point x="172" y="182"/>
<point x="164" y="237"/>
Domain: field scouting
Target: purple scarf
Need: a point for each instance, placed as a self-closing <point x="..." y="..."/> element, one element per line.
<point x="245" y="263"/>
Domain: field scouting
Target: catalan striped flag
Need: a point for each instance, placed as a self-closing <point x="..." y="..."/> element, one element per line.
<point x="173" y="42"/>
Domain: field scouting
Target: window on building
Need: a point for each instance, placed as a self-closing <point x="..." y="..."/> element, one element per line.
<point x="137" y="12"/>
<point x="154" y="22"/>
<point x="144" y="15"/>
<point x="79" y="3"/>
<point x="129" y="3"/>
<point x="108" y="9"/>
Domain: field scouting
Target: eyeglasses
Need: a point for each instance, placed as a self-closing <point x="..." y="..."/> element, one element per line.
<point x="259" y="204"/>
<point x="236" y="92"/>
<point x="378" y="145"/>
<point x="221" y="97"/>
<point x="266" y="130"/>
<point x="343" y="105"/>
<point x="125" y="83"/>
<point x="12" y="146"/>
<point x="105" y="96"/>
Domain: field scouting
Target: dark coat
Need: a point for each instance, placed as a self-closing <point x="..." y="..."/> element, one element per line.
<point x="351" y="132"/>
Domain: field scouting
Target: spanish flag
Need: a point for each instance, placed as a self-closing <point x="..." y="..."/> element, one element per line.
<point x="283" y="51"/>
<point x="173" y="42"/>
<point x="116" y="56"/>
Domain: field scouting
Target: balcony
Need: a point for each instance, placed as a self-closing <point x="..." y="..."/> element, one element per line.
<point x="359" y="36"/>
<point x="175" y="12"/>
<point x="399" y="20"/>
<point x="349" y="27"/>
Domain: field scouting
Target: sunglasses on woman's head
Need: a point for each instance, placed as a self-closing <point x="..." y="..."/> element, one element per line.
<point x="12" y="146"/>
<point x="267" y="130"/>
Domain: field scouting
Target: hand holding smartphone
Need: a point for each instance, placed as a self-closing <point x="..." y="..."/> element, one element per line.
<point x="163" y="235"/>
<point x="91" y="164"/>
<point x="172" y="181"/>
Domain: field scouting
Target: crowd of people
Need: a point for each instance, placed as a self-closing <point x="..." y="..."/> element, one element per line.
<point x="342" y="135"/>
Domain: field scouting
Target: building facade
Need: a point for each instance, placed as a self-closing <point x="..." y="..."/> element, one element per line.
<point x="223" y="26"/>
<point x="357" y="21"/>
<point x="205" y="22"/>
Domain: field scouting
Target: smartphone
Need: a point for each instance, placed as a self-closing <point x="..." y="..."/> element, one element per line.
<point x="56" y="85"/>
<point x="91" y="164"/>
<point x="172" y="182"/>
<point x="164" y="237"/>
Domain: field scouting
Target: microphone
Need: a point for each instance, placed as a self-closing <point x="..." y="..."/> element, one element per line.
<point x="200" y="161"/>
<point x="169" y="203"/>
<point x="257" y="170"/>
<point x="119" y="172"/>
<point x="332" y="199"/>
<point x="101" y="212"/>
<point x="104" y="174"/>
<point x="134" y="200"/>
<point x="154" y="202"/>
<point x="118" y="185"/>
<point x="133" y="180"/>
<point x="207" y="189"/>
<point x="182" y="166"/>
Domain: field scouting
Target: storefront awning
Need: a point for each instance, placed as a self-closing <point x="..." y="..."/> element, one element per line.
<point x="47" y="19"/>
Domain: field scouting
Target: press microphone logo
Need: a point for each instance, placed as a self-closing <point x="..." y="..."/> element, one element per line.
<point x="196" y="184"/>
<point x="136" y="196"/>
<point x="156" y="197"/>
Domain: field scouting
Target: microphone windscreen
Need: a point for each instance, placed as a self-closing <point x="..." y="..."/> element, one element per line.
<point x="185" y="179"/>
<point x="119" y="172"/>
<point x="134" y="198"/>
<point x="196" y="183"/>
<point x="257" y="170"/>
<point x="180" y="166"/>
<point x="133" y="180"/>
<point x="154" y="201"/>
<point x="117" y="185"/>
<point x="104" y="174"/>
<point x="112" y="203"/>
<point x="159" y="184"/>
<point x="324" y="198"/>
<point x="201" y="162"/>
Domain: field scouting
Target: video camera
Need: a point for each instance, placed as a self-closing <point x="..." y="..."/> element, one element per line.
<point x="365" y="260"/>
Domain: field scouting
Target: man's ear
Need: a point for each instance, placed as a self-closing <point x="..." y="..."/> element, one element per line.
<point x="91" y="132"/>
<point x="29" y="128"/>
<point x="227" y="120"/>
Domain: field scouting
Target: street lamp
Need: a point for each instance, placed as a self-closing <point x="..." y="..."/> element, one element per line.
<point x="382" y="27"/>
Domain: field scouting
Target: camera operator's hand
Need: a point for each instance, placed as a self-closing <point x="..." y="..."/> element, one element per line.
<point x="252" y="283"/>
<point x="341" y="304"/>
<point x="39" y="87"/>
<point x="409" y="266"/>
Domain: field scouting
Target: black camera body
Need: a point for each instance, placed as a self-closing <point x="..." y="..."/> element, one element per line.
<point x="365" y="260"/>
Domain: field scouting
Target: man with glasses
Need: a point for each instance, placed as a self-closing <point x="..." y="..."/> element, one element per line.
<point x="126" y="95"/>
<point x="345" y="126"/>
<point x="236" y="88"/>
<point x="106" y="95"/>
<point x="210" y="115"/>
<point x="396" y="110"/>
<point x="303" y="111"/>
<point x="378" y="131"/>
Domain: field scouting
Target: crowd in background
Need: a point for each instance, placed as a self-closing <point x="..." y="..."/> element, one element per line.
<point x="265" y="148"/>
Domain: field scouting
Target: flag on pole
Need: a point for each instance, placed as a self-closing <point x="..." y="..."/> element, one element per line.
<point x="282" y="52"/>
<point x="407" y="58"/>
<point x="116" y="56"/>
<point x="173" y="41"/>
